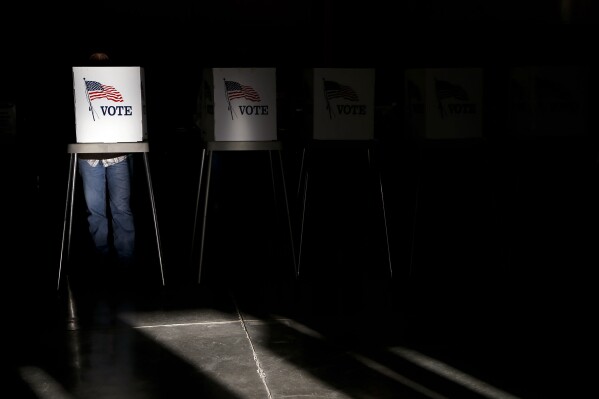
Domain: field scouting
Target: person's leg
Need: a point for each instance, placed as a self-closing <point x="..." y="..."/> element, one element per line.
<point x="123" y="227"/>
<point x="94" y="190"/>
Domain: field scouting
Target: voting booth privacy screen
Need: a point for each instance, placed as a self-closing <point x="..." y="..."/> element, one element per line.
<point x="109" y="104"/>
<point x="444" y="103"/>
<point x="342" y="103"/>
<point x="238" y="104"/>
<point x="548" y="101"/>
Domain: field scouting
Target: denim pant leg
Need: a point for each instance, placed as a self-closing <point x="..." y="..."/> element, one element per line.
<point x="119" y="194"/>
<point x="94" y="190"/>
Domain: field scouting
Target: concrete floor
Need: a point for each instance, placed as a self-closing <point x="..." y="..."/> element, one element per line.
<point x="254" y="338"/>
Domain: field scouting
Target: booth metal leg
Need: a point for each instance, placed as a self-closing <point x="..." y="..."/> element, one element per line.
<point x="206" y="200"/>
<point x="151" y="191"/>
<point x="301" y="172"/>
<point x="68" y="216"/>
<point x="305" y="181"/>
<point x="208" y="176"/>
<point x="272" y="176"/>
<point x="72" y="321"/>
<point x="195" y="219"/>
<point x="288" y="213"/>
<point x="274" y="190"/>
<point x="302" y="179"/>
<point x="386" y="229"/>
<point x="384" y="216"/>
<point x="301" y="239"/>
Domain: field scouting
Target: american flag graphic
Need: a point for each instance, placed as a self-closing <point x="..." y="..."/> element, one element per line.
<point x="449" y="90"/>
<point x="97" y="90"/>
<point x="237" y="90"/>
<point x="335" y="90"/>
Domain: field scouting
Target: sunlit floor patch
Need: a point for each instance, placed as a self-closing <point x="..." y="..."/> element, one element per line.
<point x="42" y="384"/>
<point x="451" y="373"/>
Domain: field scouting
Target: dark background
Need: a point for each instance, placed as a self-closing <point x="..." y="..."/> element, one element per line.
<point x="501" y="184"/>
<point x="493" y="241"/>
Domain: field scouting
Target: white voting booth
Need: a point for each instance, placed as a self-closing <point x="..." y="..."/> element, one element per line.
<point x="238" y="112"/>
<point x="341" y="108"/>
<point x="109" y="104"/>
<point x="110" y="117"/>
<point x="239" y="104"/>
<point x="444" y="103"/>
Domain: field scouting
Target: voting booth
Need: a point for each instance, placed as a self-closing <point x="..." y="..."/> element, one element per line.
<point x="548" y="101"/>
<point x="237" y="112"/>
<point x="443" y="109"/>
<point x="340" y="108"/>
<point x="444" y="103"/>
<point x="239" y="104"/>
<point x="109" y="104"/>
<point x="342" y="103"/>
<point x="110" y="117"/>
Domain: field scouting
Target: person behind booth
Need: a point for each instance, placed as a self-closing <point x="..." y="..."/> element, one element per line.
<point x="106" y="181"/>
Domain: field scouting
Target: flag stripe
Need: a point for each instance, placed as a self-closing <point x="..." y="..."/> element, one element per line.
<point x="449" y="90"/>
<point x="335" y="90"/>
<point x="237" y="90"/>
<point x="97" y="90"/>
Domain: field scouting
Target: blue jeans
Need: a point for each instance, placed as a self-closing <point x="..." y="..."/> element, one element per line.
<point x="118" y="181"/>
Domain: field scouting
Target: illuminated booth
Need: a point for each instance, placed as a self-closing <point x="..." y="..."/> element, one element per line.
<point x="340" y="110"/>
<point x="109" y="104"/>
<point x="239" y="104"/>
<point x="237" y="112"/>
<point x="110" y="117"/>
